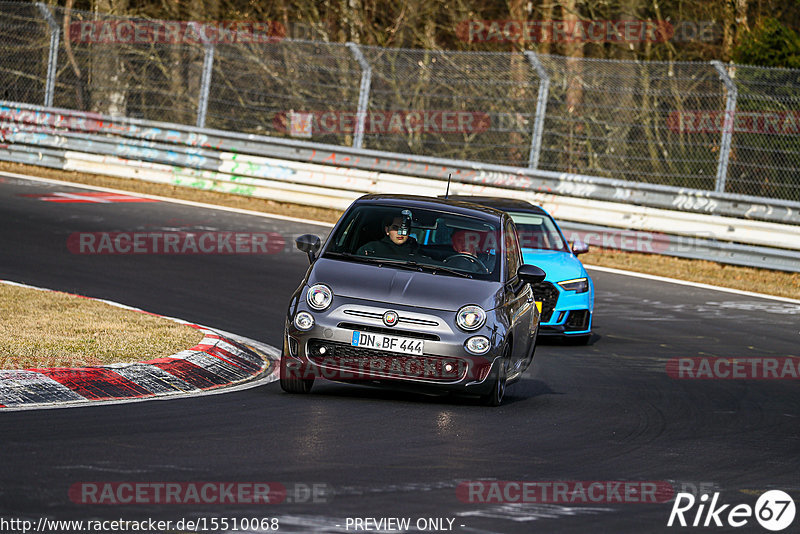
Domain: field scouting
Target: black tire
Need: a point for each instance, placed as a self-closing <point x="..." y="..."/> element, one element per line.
<point x="291" y="381"/>
<point x="495" y="398"/>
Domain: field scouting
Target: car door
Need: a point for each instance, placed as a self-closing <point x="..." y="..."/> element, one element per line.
<point x="519" y="301"/>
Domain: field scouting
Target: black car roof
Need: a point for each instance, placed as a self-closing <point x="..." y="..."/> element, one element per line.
<point x="503" y="204"/>
<point x="452" y="204"/>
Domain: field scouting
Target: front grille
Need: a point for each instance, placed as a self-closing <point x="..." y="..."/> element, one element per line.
<point x="578" y="320"/>
<point x="388" y="331"/>
<point x="547" y="294"/>
<point x="400" y="318"/>
<point x="348" y="362"/>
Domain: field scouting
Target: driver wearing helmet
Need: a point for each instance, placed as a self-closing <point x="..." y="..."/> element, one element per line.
<point x="397" y="243"/>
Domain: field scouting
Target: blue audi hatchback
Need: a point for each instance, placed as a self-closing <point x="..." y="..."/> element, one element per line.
<point x="567" y="293"/>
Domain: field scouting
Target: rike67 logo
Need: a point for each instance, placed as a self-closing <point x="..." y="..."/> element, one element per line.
<point x="774" y="510"/>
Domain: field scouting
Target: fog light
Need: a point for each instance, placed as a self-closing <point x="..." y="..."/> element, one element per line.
<point x="449" y="367"/>
<point x="303" y="321"/>
<point x="478" y="345"/>
<point x="323" y="350"/>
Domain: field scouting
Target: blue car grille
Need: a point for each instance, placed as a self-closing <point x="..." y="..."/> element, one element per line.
<point x="578" y="320"/>
<point x="547" y="294"/>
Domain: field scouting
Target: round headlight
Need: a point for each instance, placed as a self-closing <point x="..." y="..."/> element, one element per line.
<point x="319" y="296"/>
<point x="470" y="317"/>
<point x="303" y="321"/>
<point x="478" y="345"/>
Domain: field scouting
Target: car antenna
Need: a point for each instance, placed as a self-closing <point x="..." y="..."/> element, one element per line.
<point x="449" y="175"/>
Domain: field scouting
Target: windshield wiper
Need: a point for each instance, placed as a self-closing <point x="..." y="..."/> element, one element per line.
<point x="403" y="264"/>
<point x="412" y="265"/>
<point x="447" y="270"/>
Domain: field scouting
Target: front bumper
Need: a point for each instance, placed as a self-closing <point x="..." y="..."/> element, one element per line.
<point x="564" y="313"/>
<point x="326" y="350"/>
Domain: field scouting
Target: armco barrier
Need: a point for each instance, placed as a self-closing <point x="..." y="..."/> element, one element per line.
<point x="732" y="229"/>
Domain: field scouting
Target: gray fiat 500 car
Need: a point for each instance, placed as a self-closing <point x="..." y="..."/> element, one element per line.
<point x="414" y="292"/>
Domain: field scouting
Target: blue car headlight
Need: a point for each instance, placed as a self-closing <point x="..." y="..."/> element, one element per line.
<point x="578" y="285"/>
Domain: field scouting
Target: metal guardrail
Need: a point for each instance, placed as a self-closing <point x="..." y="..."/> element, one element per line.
<point x="332" y="176"/>
<point x="700" y="125"/>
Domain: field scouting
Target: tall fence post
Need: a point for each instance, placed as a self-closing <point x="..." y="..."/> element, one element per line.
<point x="541" y="109"/>
<point x="727" y="126"/>
<point x="52" y="56"/>
<point x="205" y="81"/>
<point x="363" y="94"/>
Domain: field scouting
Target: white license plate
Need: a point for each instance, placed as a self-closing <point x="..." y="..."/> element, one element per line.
<point x="403" y="345"/>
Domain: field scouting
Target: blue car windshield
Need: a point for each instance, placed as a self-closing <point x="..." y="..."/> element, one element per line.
<point x="538" y="231"/>
<point x="422" y="239"/>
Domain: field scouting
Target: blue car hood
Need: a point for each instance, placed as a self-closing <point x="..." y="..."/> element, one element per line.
<point x="404" y="287"/>
<point x="559" y="266"/>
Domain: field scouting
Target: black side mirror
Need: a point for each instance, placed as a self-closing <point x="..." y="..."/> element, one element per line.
<point x="579" y="247"/>
<point x="308" y="243"/>
<point x="530" y="273"/>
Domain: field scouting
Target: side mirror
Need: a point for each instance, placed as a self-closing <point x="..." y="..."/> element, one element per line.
<point x="308" y="243"/>
<point x="530" y="273"/>
<point x="579" y="247"/>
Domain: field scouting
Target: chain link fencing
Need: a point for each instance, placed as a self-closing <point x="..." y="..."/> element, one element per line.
<point x="697" y="125"/>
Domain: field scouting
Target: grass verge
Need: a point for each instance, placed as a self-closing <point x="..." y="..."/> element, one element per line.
<point x="52" y="329"/>
<point x="706" y="272"/>
<point x="745" y="278"/>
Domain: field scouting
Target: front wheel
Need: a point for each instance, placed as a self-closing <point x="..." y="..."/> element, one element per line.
<point x="495" y="397"/>
<point x="292" y="374"/>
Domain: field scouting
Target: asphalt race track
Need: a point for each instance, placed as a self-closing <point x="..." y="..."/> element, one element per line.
<point x="605" y="412"/>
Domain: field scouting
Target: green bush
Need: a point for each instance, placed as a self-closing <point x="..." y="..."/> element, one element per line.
<point x="771" y="44"/>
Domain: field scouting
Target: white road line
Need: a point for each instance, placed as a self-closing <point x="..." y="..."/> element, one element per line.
<point x="691" y="284"/>
<point x="167" y="199"/>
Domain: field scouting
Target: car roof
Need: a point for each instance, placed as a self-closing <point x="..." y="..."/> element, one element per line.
<point x="452" y="204"/>
<point x="503" y="204"/>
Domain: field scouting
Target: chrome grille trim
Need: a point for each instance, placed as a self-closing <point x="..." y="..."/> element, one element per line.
<point x="402" y="318"/>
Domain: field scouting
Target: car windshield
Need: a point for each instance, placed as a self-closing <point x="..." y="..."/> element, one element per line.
<point x="420" y="239"/>
<point x="537" y="231"/>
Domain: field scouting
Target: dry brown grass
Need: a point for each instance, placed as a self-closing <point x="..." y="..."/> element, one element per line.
<point x="748" y="279"/>
<point x="52" y="329"/>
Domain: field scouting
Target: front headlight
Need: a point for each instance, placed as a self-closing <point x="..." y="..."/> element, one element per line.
<point x="478" y="345"/>
<point x="303" y="321"/>
<point x="578" y="285"/>
<point x="470" y="317"/>
<point x="319" y="296"/>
